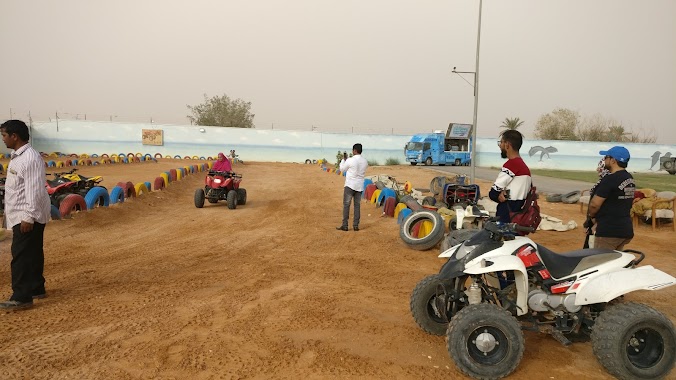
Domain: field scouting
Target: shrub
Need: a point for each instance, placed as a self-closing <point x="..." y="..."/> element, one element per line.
<point x="372" y="162"/>
<point x="392" y="161"/>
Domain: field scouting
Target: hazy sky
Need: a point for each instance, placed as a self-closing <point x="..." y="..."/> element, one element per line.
<point x="378" y="66"/>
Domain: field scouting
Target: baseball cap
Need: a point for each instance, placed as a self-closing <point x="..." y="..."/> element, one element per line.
<point x="619" y="153"/>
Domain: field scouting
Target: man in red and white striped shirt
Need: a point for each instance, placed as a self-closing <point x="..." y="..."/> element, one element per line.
<point x="514" y="181"/>
<point x="27" y="210"/>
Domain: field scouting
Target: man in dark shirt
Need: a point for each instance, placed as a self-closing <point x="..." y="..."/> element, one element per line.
<point x="610" y="206"/>
<point x="514" y="181"/>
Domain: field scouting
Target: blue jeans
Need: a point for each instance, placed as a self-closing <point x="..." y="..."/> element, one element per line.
<point x="348" y="195"/>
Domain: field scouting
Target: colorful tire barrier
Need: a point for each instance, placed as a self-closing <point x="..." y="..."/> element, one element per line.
<point x="160" y="183"/>
<point x="117" y="195"/>
<point x="389" y="205"/>
<point x="51" y="164"/>
<point x="408" y="187"/>
<point x="179" y="173"/>
<point x="403" y="214"/>
<point x="398" y="208"/>
<point x="71" y="203"/>
<point x="148" y="186"/>
<point x="384" y="194"/>
<point x="97" y="196"/>
<point x="165" y="176"/>
<point x="140" y="188"/>
<point x="172" y="173"/>
<point x="375" y="196"/>
<point x="55" y="213"/>
<point x="68" y="163"/>
<point x="59" y="164"/>
<point x="158" y="155"/>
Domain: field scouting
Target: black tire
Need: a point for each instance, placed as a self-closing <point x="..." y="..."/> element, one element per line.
<point x="424" y="307"/>
<point x="553" y="198"/>
<point x="241" y="196"/>
<point x="426" y="242"/>
<point x="634" y="341"/>
<point x="572" y="197"/>
<point x="414" y="163"/>
<point x="428" y="161"/>
<point x="492" y="323"/>
<point x="429" y="201"/>
<point x="199" y="198"/>
<point x="308" y="161"/>
<point x="457" y="162"/>
<point x="456" y="237"/>
<point x="672" y="172"/>
<point x="232" y="199"/>
<point x="453" y="224"/>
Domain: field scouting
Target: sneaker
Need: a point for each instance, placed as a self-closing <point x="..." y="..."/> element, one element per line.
<point x="342" y="228"/>
<point x="356" y="228"/>
<point x="15" y="305"/>
<point x="40" y="296"/>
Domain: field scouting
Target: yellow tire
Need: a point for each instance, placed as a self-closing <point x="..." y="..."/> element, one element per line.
<point x="165" y="177"/>
<point x="425" y="228"/>
<point x="210" y="164"/>
<point x="398" y="208"/>
<point x="408" y="187"/>
<point x="54" y="155"/>
<point x="60" y="164"/>
<point x="179" y="175"/>
<point x="187" y="170"/>
<point x="141" y="188"/>
<point x="375" y="196"/>
<point x="84" y="155"/>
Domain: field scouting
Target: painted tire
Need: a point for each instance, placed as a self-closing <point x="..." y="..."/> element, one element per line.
<point x="117" y="195"/>
<point x="122" y="155"/>
<point x="59" y="164"/>
<point x="202" y="158"/>
<point x="167" y="156"/>
<point x="55" y="213"/>
<point x="389" y="205"/>
<point x="172" y="173"/>
<point x="367" y="182"/>
<point x="177" y="157"/>
<point x="408" y="187"/>
<point x="51" y="163"/>
<point x="403" y="214"/>
<point x="72" y="202"/>
<point x="384" y="194"/>
<point x="104" y="155"/>
<point x="95" y="163"/>
<point x="159" y="183"/>
<point x="165" y="177"/>
<point x="380" y="185"/>
<point x="94" y="155"/>
<point x="308" y="161"/>
<point x="68" y="163"/>
<point x="130" y="191"/>
<point x="147" y="156"/>
<point x="148" y="186"/>
<point x="140" y="188"/>
<point x="131" y="155"/>
<point x="398" y="208"/>
<point x="428" y="239"/>
<point x="158" y="155"/>
<point x="125" y="160"/>
<point x="97" y="196"/>
<point x="179" y="174"/>
<point x="375" y="196"/>
<point x="199" y="198"/>
<point x="368" y="190"/>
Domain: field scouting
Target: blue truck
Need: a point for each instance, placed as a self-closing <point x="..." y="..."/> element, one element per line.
<point x="441" y="148"/>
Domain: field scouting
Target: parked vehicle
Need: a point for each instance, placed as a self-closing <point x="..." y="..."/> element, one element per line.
<point x="668" y="164"/>
<point x="221" y="186"/>
<point x="496" y="283"/>
<point x="441" y="148"/>
<point x="82" y="184"/>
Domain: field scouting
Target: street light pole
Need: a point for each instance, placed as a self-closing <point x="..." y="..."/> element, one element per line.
<point x="472" y="172"/>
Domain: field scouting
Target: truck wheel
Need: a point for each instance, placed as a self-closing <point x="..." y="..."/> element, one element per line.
<point x="634" y="341"/>
<point x="457" y="162"/>
<point x="428" y="161"/>
<point x="485" y="341"/>
<point x="672" y="172"/>
<point x="414" y="163"/>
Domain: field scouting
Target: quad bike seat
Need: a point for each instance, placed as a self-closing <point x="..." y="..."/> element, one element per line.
<point x="561" y="265"/>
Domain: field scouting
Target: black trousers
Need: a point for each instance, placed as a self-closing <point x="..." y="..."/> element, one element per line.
<point x="28" y="262"/>
<point x="348" y="195"/>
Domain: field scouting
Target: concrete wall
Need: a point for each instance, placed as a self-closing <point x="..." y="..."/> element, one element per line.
<point x="297" y="146"/>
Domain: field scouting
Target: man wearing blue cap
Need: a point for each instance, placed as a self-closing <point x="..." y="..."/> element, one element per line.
<point x="610" y="206"/>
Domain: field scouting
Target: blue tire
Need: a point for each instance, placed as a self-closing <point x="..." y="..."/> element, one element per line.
<point x="403" y="214"/>
<point x="384" y="193"/>
<point x="97" y="196"/>
<point x="117" y="195"/>
<point x="125" y="160"/>
<point x="148" y="186"/>
<point x="94" y="156"/>
<point x="367" y="182"/>
<point x="94" y="163"/>
<point x="51" y="163"/>
<point x="168" y="176"/>
<point x="56" y="215"/>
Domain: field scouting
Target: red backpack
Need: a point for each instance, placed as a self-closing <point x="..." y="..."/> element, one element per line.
<point x="529" y="214"/>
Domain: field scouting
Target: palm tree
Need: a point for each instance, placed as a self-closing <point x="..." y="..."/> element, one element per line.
<point x="514" y="123"/>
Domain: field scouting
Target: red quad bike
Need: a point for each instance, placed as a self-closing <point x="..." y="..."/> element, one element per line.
<point x="221" y="186"/>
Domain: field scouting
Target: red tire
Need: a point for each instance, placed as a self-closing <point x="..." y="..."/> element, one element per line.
<point x="415" y="230"/>
<point x="72" y="202"/>
<point x="130" y="190"/>
<point x="172" y="174"/>
<point x="370" y="188"/>
<point x="159" y="183"/>
<point x="390" y="204"/>
<point x="68" y="163"/>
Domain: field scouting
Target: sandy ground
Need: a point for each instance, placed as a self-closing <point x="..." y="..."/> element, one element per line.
<point x="155" y="288"/>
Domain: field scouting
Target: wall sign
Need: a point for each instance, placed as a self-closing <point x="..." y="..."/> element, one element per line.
<point x="152" y="137"/>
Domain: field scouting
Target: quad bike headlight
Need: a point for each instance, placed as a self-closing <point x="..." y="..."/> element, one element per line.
<point x="217" y="180"/>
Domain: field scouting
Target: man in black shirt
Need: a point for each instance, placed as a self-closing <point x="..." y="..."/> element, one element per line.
<point x="609" y="207"/>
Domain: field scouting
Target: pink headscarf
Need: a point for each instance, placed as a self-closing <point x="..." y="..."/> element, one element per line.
<point x="222" y="165"/>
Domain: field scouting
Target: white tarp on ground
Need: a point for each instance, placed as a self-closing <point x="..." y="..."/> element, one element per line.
<point x="550" y="223"/>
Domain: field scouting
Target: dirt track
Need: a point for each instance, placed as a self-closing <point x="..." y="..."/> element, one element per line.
<point x="155" y="288"/>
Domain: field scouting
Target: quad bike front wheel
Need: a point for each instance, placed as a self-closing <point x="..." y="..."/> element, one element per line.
<point x="232" y="199"/>
<point x="425" y="307"/>
<point x="199" y="198"/>
<point x="485" y="341"/>
<point x="634" y="341"/>
<point x="241" y="196"/>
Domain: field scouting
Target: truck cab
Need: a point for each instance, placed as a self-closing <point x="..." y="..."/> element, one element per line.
<point x="451" y="147"/>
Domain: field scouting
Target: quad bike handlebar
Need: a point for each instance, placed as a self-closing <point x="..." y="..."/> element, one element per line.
<point x="62" y="173"/>
<point x="224" y="174"/>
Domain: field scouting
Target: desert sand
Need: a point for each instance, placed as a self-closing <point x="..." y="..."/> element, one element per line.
<point x="155" y="288"/>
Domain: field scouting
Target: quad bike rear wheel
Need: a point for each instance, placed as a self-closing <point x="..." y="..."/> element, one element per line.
<point x="199" y="198"/>
<point x="485" y="341"/>
<point x="634" y="341"/>
<point x="425" y="308"/>
<point x="232" y="199"/>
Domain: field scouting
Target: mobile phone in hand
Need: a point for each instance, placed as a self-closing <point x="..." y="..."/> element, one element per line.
<point x="344" y="155"/>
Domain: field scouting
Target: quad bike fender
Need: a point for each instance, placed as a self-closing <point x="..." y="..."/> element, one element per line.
<point x="501" y="264"/>
<point x="449" y="252"/>
<point x="608" y="286"/>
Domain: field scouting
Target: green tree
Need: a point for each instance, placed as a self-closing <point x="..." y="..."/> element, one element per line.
<point x="560" y="124"/>
<point x="221" y="111"/>
<point x="514" y="123"/>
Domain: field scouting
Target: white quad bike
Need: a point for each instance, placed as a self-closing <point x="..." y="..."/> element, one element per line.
<point x="497" y="283"/>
